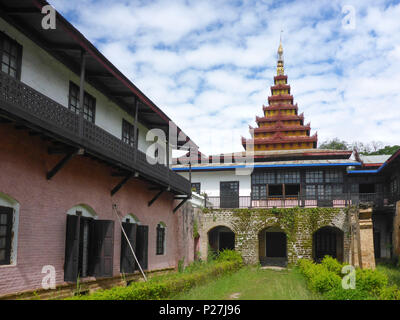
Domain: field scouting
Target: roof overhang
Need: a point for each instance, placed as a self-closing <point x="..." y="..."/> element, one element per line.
<point x="66" y="43"/>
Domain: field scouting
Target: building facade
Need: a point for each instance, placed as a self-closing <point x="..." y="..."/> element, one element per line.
<point x="74" y="174"/>
<point x="282" y="168"/>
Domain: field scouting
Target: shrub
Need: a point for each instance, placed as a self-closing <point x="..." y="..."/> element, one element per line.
<point x="371" y="281"/>
<point x="349" y="294"/>
<point x="332" y="265"/>
<point x="324" y="280"/>
<point x="390" y="293"/>
<point x="230" y="255"/>
<point x="162" y="287"/>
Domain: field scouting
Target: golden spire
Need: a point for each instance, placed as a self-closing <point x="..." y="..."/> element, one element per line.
<point x="279" y="69"/>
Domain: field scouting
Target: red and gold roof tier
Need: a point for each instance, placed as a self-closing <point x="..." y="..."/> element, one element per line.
<point x="281" y="127"/>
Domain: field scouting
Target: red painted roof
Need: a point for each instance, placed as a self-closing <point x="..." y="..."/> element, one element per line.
<point x="281" y="127"/>
<point x="280" y="117"/>
<point x="279" y="138"/>
<point x="281" y="106"/>
<point x="280" y="97"/>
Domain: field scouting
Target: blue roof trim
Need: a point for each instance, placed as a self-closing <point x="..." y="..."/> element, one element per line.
<point x="369" y="171"/>
<point x="271" y="166"/>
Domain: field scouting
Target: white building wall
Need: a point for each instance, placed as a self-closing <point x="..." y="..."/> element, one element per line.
<point x="210" y="181"/>
<point x="47" y="75"/>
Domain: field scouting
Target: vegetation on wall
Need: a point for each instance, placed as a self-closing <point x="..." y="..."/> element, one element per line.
<point x="296" y="222"/>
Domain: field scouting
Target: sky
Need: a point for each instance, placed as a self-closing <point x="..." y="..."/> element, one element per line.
<point x="209" y="65"/>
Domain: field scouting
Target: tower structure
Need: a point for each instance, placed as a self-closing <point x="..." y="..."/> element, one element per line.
<point x="281" y="127"/>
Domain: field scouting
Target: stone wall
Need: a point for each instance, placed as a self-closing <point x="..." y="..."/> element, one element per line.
<point x="396" y="231"/>
<point x="299" y="224"/>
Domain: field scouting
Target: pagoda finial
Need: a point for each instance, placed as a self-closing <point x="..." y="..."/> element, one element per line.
<point x="280" y="69"/>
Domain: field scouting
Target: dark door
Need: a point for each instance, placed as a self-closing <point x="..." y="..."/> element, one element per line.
<point x="84" y="264"/>
<point x="229" y="194"/>
<point x="142" y="241"/>
<point x="102" y="248"/>
<point x="127" y="263"/>
<point x="377" y="244"/>
<point x="226" y="241"/>
<point x="325" y="244"/>
<point x="275" y="244"/>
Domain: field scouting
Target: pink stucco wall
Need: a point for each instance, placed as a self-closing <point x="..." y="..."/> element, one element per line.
<point x="43" y="205"/>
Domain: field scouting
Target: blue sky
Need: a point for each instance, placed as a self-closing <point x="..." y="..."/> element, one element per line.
<point x="210" y="64"/>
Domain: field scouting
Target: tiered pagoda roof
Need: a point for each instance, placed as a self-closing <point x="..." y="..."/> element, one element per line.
<point x="281" y="127"/>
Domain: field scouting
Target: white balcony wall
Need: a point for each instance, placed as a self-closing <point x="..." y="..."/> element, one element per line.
<point x="210" y="181"/>
<point x="50" y="77"/>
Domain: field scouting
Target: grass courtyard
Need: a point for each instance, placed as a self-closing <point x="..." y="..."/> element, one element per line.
<point x="253" y="283"/>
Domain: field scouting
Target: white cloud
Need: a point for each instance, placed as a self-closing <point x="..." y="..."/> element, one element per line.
<point x="209" y="64"/>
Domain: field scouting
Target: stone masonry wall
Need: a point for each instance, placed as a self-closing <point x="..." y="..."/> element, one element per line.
<point x="299" y="224"/>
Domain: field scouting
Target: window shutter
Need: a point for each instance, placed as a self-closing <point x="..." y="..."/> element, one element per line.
<point x="71" y="248"/>
<point x="6" y="222"/>
<point x="142" y="246"/>
<point x="103" y="248"/>
<point x="127" y="258"/>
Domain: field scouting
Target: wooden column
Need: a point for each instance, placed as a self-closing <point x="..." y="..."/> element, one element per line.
<point x="82" y="91"/>
<point x="135" y="134"/>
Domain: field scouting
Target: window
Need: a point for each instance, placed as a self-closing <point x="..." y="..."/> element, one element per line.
<point x="89" y="103"/>
<point x="229" y="194"/>
<point x="11" y="54"/>
<point x="314" y="177"/>
<point x="259" y="192"/>
<point x="160" y="239"/>
<point x="6" y="219"/>
<point x="196" y="187"/>
<point x="263" y="178"/>
<point x="333" y="176"/>
<point x="128" y="133"/>
<point x="288" y="177"/>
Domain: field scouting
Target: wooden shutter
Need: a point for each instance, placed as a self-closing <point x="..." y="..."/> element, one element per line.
<point x="71" y="248"/>
<point x="6" y="221"/>
<point x="127" y="263"/>
<point x="142" y="242"/>
<point x="102" y="248"/>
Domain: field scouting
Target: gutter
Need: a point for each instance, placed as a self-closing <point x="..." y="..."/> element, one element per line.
<point x="268" y="166"/>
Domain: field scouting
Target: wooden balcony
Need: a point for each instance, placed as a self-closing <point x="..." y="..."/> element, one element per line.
<point x="38" y="112"/>
<point x="378" y="200"/>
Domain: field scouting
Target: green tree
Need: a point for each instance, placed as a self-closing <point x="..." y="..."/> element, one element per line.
<point x="385" y="150"/>
<point x="335" y="144"/>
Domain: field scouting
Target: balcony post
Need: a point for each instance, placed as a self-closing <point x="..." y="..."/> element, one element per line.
<point x="167" y="158"/>
<point x="136" y="130"/>
<point x="82" y="91"/>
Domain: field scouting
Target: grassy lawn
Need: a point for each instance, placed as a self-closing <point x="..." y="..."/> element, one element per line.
<point x="393" y="273"/>
<point x="253" y="283"/>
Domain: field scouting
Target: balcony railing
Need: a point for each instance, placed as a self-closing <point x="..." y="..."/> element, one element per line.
<point x="334" y="200"/>
<point x="20" y="100"/>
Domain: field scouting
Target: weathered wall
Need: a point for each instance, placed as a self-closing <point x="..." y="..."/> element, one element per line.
<point x="188" y="217"/>
<point x="299" y="224"/>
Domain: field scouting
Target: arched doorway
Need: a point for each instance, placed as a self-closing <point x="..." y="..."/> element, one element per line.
<point x="221" y="238"/>
<point x="272" y="247"/>
<point x="79" y="243"/>
<point x="328" y="241"/>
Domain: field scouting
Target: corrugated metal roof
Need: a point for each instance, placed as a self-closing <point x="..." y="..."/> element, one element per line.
<point x="374" y="158"/>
